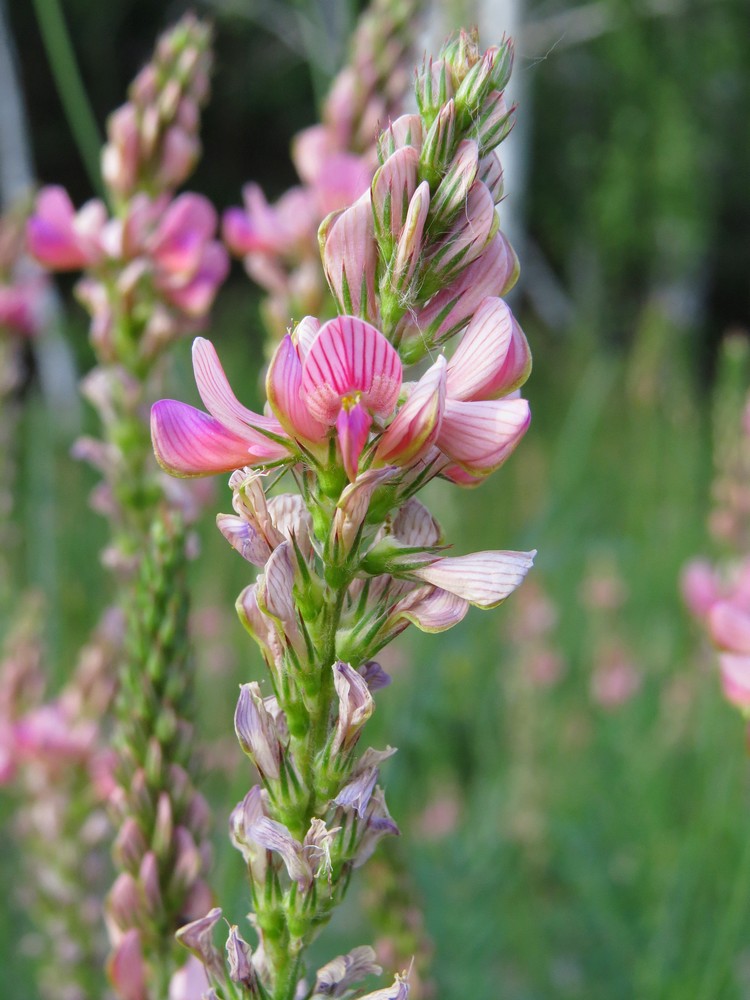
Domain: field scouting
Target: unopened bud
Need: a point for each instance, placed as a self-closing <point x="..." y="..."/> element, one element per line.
<point x="455" y="186"/>
<point x="239" y="958"/>
<point x="437" y="149"/>
<point x="434" y="88"/>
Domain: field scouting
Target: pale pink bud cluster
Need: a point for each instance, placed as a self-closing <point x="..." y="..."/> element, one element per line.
<point x="335" y="161"/>
<point x="152" y="140"/>
<point x="151" y="273"/>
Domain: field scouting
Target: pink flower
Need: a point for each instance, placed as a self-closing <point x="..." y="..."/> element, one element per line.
<point x="20" y="306"/>
<point x="341" y="377"/>
<point x="61" y="238"/>
<point x="282" y="229"/>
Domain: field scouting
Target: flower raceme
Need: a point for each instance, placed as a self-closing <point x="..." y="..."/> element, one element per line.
<point x="340" y="386"/>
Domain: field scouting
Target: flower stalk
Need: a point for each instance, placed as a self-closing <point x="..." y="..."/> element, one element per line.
<point x="349" y="557"/>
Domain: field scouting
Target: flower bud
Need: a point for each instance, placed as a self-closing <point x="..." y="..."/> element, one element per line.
<point x="239" y="958"/>
<point x="455" y="185"/>
<point x="256" y="731"/>
<point x="355" y="706"/>
<point x="434" y="88"/>
<point x="437" y="149"/>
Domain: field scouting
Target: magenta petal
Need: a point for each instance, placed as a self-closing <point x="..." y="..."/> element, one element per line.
<point x="348" y="357"/>
<point x="187" y="442"/>
<point x="50" y="231"/>
<point x="283" y="384"/>
<point x="237" y="232"/>
<point x="195" y="295"/>
<point x="187" y="224"/>
<point x="350" y="256"/>
<point x="219" y="399"/>
<point x="353" y="426"/>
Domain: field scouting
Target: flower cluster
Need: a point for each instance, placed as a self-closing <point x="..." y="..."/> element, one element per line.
<point x="353" y="557"/>
<point x="335" y="161"/>
<point x="152" y="271"/>
<point x="153" y="268"/>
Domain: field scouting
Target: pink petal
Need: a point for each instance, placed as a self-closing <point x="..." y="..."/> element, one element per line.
<point x="283" y="385"/>
<point x="350" y="357"/>
<point x="219" y="399"/>
<point x="484" y="579"/>
<point x="493" y="357"/>
<point x="353" y="427"/>
<point x="126" y="967"/>
<point x="188" y="223"/>
<point x="481" y="435"/>
<point x="700" y="587"/>
<point x="50" y="233"/>
<point x="392" y="190"/>
<point x="354" y="503"/>
<point x="735" y="679"/>
<point x="730" y="627"/>
<point x="304" y="334"/>
<point x="416" y="426"/>
<point x="343" y="180"/>
<point x="350" y="256"/>
<point x="195" y="296"/>
<point x="187" y="442"/>
<point x="493" y="273"/>
<point x="237" y="232"/>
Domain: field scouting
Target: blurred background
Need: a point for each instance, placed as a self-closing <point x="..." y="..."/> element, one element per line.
<point x="573" y="793"/>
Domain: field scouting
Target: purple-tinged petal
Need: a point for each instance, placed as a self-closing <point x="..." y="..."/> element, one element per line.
<point x="415" y="526"/>
<point x="354" y="503"/>
<point x="349" y="357"/>
<point x="51" y="235"/>
<point x="493" y="357"/>
<point x="256" y="731"/>
<point x="260" y="626"/>
<point x="377" y="824"/>
<point x="283" y="385"/>
<point x="352" y="427"/>
<point x="416" y="426"/>
<point x="484" y="579"/>
<point x="275" y="837"/>
<point x="276" y="596"/>
<point x="337" y="977"/>
<point x="357" y="792"/>
<point x="245" y="538"/>
<point x="221" y="402"/>
<point x="430" y="609"/>
<point x="187" y="442"/>
<point x="355" y="706"/>
<point x="374" y="676"/>
<point x="398" y="991"/>
<point x="188" y="223"/>
<point x="481" y="435"/>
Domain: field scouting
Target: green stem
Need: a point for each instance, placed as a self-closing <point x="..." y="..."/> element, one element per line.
<point x="70" y="86"/>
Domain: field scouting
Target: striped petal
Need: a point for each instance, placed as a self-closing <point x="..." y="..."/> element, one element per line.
<point x="430" y="609"/>
<point x="493" y="357"/>
<point x="187" y="442"/>
<point x="219" y="399"/>
<point x="350" y="256"/>
<point x="416" y="426"/>
<point x="283" y="385"/>
<point x="481" y="435"/>
<point x="350" y="357"/>
<point x="484" y="579"/>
